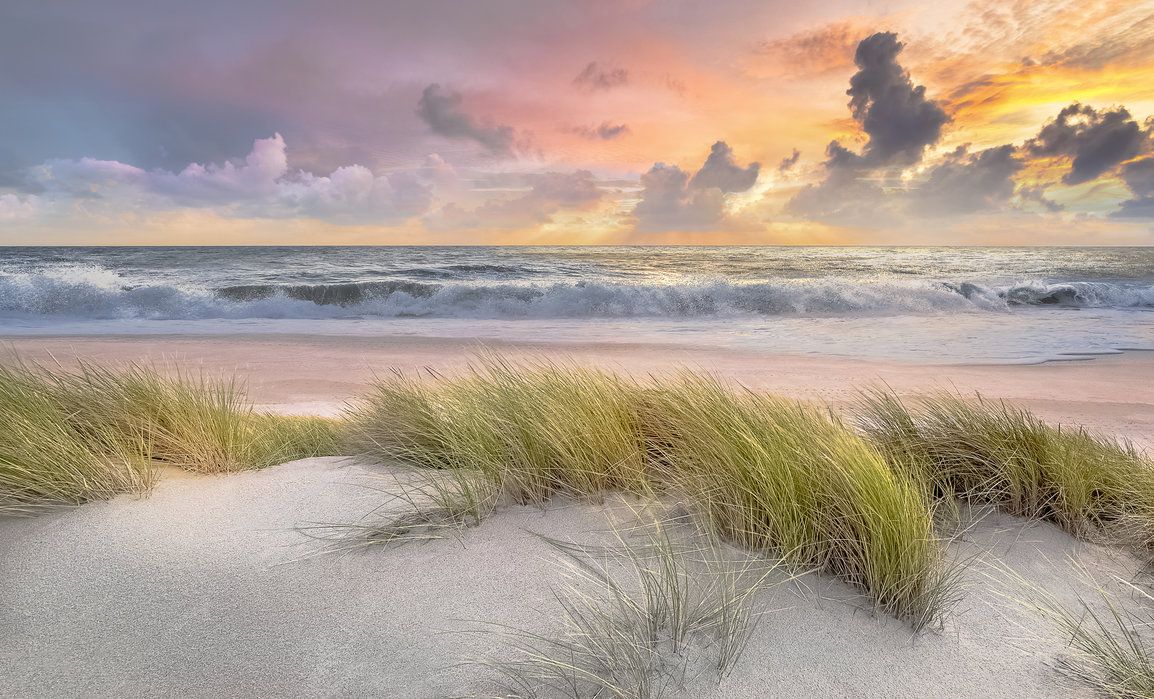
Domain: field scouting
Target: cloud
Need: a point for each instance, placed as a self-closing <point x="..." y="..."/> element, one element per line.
<point x="603" y="132"/>
<point x="787" y="163"/>
<point x="672" y="201"/>
<point x="1095" y="141"/>
<point x="900" y="123"/>
<point x="1139" y="177"/>
<point x="354" y="194"/>
<point x="844" y="196"/>
<point x="812" y="52"/>
<point x="16" y="207"/>
<point x="722" y="172"/>
<point x="961" y="184"/>
<point x="549" y="193"/>
<point x="668" y="204"/>
<point x="894" y="113"/>
<point x="598" y="77"/>
<point x="441" y="109"/>
<point x="967" y="183"/>
<point x="261" y="185"/>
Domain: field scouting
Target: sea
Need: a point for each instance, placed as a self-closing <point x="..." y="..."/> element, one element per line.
<point x="935" y="305"/>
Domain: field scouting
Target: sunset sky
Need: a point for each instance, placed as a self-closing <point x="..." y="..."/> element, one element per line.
<point x="574" y="122"/>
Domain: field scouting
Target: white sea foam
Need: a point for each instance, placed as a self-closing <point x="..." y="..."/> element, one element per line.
<point x="90" y="292"/>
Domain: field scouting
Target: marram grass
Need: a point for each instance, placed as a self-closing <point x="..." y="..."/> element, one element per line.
<point x="770" y="473"/>
<point x="67" y="437"/>
<point x="994" y="453"/>
<point x="766" y="473"/>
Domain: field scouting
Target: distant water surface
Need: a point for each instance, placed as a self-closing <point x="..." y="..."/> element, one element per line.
<point x="919" y="304"/>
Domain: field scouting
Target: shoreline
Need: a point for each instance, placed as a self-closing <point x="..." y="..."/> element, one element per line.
<point x="317" y="374"/>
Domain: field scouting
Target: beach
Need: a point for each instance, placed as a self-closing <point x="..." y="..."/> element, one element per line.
<point x="216" y="586"/>
<point x="204" y="588"/>
<point x="577" y="350"/>
<point x="228" y="544"/>
<point x="317" y="374"/>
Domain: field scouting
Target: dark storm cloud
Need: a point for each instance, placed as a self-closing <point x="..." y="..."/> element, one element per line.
<point x="602" y="132"/>
<point x="1139" y="177"/>
<point x="787" y="163"/>
<point x="441" y="109"/>
<point x="600" y="77"/>
<point x="899" y="122"/>
<point x="966" y="183"/>
<point x="720" y="171"/>
<point x="893" y="112"/>
<point x="963" y="183"/>
<point x="673" y="201"/>
<point x="1095" y="140"/>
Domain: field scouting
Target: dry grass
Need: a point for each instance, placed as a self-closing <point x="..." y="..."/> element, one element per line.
<point x="639" y="616"/>
<point x="1109" y="632"/>
<point x="67" y="437"/>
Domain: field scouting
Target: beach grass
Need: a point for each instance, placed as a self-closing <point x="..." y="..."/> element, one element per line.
<point x="769" y="474"/>
<point x="990" y="452"/>
<point x="1108" y="631"/>
<point x="775" y="474"/>
<point x="534" y="429"/>
<point x="71" y="436"/>
<point x="661" y="602"/>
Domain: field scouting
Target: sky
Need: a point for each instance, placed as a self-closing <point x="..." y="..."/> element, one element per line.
<point x="1015" y="122"/>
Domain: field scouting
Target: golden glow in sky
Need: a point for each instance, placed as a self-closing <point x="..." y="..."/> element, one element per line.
<point x="578" y="122"/>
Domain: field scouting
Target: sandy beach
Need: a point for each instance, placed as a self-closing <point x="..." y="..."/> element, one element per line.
<point x="577" y="350"/>
<point x="204" y="588"/>
<point x="207" y="586"/>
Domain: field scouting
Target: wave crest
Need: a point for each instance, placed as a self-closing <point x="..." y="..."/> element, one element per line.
<point x="97" y="293"/>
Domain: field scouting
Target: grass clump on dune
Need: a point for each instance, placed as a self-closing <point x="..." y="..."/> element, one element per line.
<point x="535" y="430"/>
<point x="67" y="437"/>
<point x="770" y="473"/>
<point x="766" y="473"/>
<point x="47" y="456"/>
<point x="990" y="452"/>
<point x="1109" y="631"/>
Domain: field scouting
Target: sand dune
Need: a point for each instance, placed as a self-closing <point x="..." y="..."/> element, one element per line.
<point x="205" y="588"/>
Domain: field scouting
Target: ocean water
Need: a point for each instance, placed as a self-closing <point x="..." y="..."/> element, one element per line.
<point x="913" y="304"/>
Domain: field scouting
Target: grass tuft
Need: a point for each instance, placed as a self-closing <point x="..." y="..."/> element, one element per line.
<point x="536" y="430"/>
<point x="990" y="452"/>
<point x="1109" y="633"/>
<point x="638" y="615"/>
<point x="432" y="505"/>
<point x="791" y="478"/>
<point x="67" y="437"/>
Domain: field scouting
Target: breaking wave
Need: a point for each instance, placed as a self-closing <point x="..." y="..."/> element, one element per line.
<point x="98" y="293"/>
